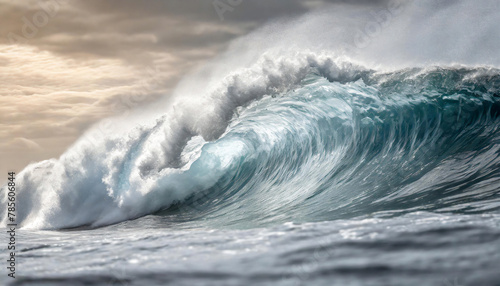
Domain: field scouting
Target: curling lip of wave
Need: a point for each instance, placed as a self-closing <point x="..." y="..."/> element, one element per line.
<point x="335" y="140"/>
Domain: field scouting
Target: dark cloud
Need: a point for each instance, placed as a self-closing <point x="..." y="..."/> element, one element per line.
<point x="130" y="29"/>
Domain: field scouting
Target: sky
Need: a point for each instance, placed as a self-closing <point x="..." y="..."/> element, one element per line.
<point x="65" y="65"/>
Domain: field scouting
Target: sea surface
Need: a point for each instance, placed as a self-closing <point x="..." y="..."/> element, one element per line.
<point x="418" y="248"/>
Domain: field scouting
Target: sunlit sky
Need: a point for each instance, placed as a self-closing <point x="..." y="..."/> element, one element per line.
<point x="64" y="65"/>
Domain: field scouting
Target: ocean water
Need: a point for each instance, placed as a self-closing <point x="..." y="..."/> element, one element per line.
<point x="419" y="248"/>
<point x="281" y="165"/>
<point x="365" y="179"/>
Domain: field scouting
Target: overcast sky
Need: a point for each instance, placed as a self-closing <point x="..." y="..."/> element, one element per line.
<point x="66" y="64"/>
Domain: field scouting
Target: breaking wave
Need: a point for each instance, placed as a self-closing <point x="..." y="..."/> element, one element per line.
<point x="299" y="135"/>
<point x="303" y="140"/>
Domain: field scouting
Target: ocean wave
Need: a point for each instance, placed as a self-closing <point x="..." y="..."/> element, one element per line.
<point x="302" y="137"/>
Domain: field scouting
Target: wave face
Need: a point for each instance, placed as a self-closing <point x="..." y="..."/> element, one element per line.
<point x="305" y="139"/>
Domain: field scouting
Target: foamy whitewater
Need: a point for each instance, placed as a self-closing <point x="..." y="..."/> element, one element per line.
<point x="314" y="151"/>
